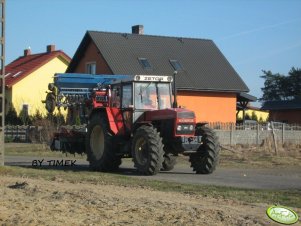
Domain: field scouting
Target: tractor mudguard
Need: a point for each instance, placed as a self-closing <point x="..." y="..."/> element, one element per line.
<point x="111" y="120"/>
<point x="109" y="116"/>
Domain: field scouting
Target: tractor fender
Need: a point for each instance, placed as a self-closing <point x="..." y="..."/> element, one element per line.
<point x="200" y="124"/>
<point x="106" y="112"/>
<point x="198" y="127"/>
<point x="139" y="124"/>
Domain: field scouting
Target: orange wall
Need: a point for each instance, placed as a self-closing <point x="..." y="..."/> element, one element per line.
<point x="209" y="106"/>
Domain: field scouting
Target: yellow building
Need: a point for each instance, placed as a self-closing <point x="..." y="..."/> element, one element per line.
<point x="27" y="78"/>
<point x="253" y="110"/>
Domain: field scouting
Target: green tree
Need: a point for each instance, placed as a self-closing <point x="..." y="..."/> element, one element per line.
<point x="56" y="119"/>
<point x="247" y="116"/>
<point x="37" y="116"/>
<point x="281" y="87"/>
<point x="11" y="117"/>
<point x="25" y="119"/>
<point x="295" y="80"/>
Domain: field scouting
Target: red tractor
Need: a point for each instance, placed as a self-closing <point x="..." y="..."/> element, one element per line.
<point x="130" y="116"/>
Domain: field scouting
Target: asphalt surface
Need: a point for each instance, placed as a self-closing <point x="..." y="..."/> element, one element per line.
<point x="233" y="177"/>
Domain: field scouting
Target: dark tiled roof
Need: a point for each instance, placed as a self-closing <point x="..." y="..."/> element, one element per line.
<point x="25" y="65"/>
<point x="282" y="105"/>
<point x="204" y="66"/>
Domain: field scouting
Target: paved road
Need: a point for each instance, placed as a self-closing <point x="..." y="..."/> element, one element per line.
<point x="243" y="178"/>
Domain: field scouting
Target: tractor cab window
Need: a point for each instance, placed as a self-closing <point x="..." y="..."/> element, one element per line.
<point x="126" y="95"/>
<point x="164" y="94"/>
<point x="152" y="96"/>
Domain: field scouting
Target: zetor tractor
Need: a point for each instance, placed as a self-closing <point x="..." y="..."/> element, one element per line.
<point x="129" y="116"/>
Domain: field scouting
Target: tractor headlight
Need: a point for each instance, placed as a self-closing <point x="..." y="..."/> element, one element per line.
<point x="185" y="128"/>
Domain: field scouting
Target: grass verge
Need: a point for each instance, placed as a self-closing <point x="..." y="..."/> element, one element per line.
<point x="41" y="150"/>
<point x="290" y="198"/>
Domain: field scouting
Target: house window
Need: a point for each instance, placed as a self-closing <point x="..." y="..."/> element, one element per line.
<point x="145" y="63"/>
<point x="91" y="68"/>
<point x="176" y="65"/>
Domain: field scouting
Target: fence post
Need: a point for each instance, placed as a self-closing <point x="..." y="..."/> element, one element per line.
<point x="274" y="139"/>
<point x="231" y="134"/>
<point x="17" y="133"/>
<point x="257" y="135"/>
<point x="283" y="128"/>
<point x="26" y="134"/>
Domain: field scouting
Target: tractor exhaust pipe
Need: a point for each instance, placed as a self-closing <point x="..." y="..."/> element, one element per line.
<point x="175" y="104"/>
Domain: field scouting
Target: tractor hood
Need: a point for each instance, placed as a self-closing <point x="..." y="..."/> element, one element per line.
<point x="169" y="113"/>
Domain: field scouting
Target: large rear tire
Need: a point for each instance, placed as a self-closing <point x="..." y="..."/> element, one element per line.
<point x="147" y="150"/>
<point x="99" y="145"/>
<point x="207" y="156"/>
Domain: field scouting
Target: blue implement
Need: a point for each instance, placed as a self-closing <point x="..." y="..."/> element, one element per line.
<point x="73" y="80"/>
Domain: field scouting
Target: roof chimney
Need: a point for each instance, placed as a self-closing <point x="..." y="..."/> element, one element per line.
<point x="50" y="48"/>
<point x="138" y="29"/>
<point x="27" y="52"/>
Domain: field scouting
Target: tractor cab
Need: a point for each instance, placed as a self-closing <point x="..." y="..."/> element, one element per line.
<point x="146" y="99"/>
<point x="141" y="94"/>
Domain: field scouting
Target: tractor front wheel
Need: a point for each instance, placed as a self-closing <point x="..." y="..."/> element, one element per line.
<point x="147" y="150"/>
<point x="99" y="145"/>
<point x="169" y="162"/>
<point x="206" y="158"/>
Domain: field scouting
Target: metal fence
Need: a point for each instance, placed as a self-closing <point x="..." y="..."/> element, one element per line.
<point x="35" y="134"/>
<point x="257" y="134"/>
<point x="254" y="126"/>
<point x="228" y="133"/>
<point x="25" y="134"/>
<point x="17" y="133"/>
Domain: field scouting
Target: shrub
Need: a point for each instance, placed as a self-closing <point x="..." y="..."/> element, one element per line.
<point x="11" y="117"/>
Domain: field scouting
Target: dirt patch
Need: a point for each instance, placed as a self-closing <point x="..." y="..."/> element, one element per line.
<point x="57" y="202"/>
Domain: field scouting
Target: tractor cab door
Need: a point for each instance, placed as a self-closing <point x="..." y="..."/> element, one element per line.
<point x="122" y="107"/>
<point x="127" y="106"/>
<point x="115" y="105"/>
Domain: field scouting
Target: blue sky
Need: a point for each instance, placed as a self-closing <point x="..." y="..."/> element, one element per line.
<point x="253" y="35"/>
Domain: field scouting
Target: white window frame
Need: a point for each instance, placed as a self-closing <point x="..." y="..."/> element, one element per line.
<point x="89" y="68"/>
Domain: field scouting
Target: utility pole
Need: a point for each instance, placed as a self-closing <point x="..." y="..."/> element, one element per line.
<point x="2" y="82"/>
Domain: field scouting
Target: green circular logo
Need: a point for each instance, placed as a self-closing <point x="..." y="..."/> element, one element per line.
<point x="282" y="215"/>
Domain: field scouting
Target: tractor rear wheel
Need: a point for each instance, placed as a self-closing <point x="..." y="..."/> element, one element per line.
<point x="169" y="162"/>
<point x="99" y="145"/>
<point x="147" y="150"/>
<point x="205" y="160"/>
